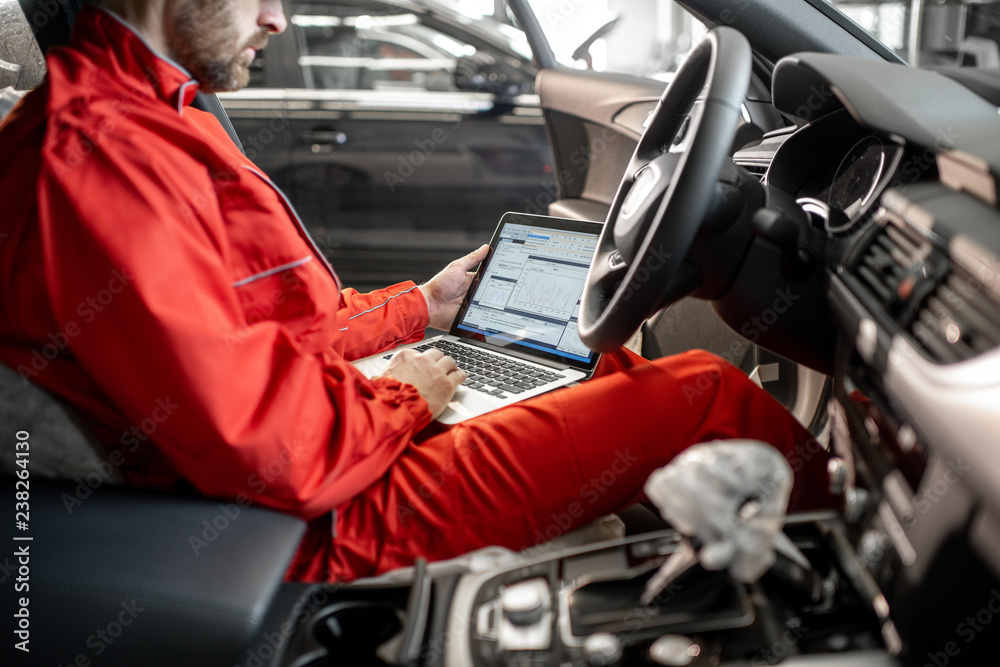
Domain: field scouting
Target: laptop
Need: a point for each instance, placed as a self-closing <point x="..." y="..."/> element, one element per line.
<point x="515" y="334"/>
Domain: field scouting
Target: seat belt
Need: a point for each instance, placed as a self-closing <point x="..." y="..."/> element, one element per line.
<point x="211" y="104"/>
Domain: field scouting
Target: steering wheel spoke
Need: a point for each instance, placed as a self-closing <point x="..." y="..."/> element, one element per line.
<point x="640" y="203"/>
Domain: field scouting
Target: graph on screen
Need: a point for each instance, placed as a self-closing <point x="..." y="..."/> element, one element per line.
<point x="495" y="293"/>
<point x="543" y="292"/>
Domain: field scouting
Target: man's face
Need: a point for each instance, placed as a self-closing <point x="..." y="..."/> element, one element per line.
<point x="216" y="40"/>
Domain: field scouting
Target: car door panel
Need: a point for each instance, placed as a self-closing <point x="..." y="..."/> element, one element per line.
<point x="594" y="120"/>
<point x="458" y="145"/>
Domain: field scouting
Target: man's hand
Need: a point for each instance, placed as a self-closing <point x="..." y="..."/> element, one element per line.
<point x="445" y="291"/>
<point x="434" y="375"/>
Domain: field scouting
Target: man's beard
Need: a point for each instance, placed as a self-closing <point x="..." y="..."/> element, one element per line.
<point x="205" y="40"/>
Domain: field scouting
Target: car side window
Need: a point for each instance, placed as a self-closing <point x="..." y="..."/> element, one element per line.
<point x="608" y="36"/>
<point x="352" y="48"/>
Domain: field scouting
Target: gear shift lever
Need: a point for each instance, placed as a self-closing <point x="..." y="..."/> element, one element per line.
<point x="728" y="500"/>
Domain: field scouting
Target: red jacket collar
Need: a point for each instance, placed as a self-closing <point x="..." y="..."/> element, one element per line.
<point x="116" y="47"/>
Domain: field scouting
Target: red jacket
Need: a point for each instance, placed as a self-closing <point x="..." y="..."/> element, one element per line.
<point x="155" y="279"/>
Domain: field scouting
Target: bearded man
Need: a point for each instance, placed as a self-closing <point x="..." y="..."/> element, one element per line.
<point x="187" y="298"/>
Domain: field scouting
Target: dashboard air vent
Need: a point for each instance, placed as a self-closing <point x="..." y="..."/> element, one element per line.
<point x="894" y="264"/>
<point x="958" y="321"/>
<point x="758" y="169"/>
<point x="757" y="158"/>
<point x="940" y="305"/>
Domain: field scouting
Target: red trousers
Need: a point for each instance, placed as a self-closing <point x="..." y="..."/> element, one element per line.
<point x="528" y="473"/>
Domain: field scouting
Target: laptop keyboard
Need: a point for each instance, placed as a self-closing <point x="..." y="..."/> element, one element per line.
<point x="492" y="374"/>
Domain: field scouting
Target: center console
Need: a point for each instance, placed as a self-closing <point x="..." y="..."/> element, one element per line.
<point x="580" y="606"/>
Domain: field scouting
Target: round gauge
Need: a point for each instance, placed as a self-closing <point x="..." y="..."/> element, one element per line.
<point x="860" y="177"/>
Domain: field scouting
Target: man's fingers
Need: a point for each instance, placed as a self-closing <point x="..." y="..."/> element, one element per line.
<point x="473" y="258"/>
<point x="458" y="377"/>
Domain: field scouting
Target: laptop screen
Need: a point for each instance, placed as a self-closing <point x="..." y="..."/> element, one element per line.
<point x="526" y="294"/>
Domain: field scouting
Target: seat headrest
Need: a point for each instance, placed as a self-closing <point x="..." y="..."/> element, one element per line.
<point x="51" y="20"/>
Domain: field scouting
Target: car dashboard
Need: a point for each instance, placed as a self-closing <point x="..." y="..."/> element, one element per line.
<point x="895" y="166"/>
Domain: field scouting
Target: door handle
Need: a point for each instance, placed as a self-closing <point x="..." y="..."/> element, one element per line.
<point x="325" y="137"/>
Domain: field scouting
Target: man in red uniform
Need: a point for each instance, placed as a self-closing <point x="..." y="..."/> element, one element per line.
<point x="158" y="282"/>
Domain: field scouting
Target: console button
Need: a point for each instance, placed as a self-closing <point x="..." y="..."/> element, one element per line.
<point x="674" y="651"/>
<point x="602" y="648"/>
<point x="524" y="603"/>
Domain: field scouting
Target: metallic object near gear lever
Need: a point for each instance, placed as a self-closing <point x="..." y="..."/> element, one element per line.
<point x="677" y="563"/>
<point x="728" y="501"/>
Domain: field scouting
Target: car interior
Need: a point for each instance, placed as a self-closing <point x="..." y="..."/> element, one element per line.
<point x="798" y="200"/>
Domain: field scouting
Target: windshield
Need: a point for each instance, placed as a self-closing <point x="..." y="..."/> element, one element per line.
<point x="930" y="33"/>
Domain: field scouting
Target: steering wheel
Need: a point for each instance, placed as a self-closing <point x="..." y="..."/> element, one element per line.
<point x="639" y="264"/>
